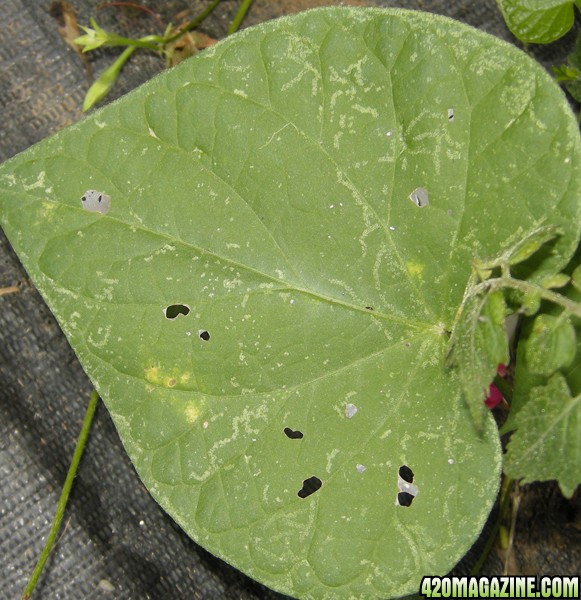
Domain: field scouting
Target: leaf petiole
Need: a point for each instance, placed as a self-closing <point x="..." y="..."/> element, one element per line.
<point x="62" y="503"/>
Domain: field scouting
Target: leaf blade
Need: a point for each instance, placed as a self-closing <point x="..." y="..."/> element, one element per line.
<point x="552" y="344"/>
<point x="538" y="22"/>
<point x="548" y="426"/>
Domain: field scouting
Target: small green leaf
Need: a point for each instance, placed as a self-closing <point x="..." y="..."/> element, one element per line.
<point x="531" y="243"/>
<point x="538" y="21"/>
<point x="551" y="345"/>
<point x="530" y="303"/>
<point x="574" y="88"/>
<point x="574" y="59"/>
<point x="576" y="278"/>
<point x="524" y="302"/>
<point x="525" y="379"/>
<point x="478" y="345"/>
<point x="555" y="281"/>
<point x="523" y="248"/>
<point x="94" y="37"/>
<point x="546" y="444"/>
<point x="570" y="74"/>
<point x="566" y="74"/>
<point x="97" y="37"/>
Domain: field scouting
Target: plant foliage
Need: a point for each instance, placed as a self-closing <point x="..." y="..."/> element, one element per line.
<point x="258" y="258"/>
<point x="538" y="21"/>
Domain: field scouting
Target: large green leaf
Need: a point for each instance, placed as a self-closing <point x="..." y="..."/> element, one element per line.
<point x="538" y="21"/>
<point x="274" y="239"/>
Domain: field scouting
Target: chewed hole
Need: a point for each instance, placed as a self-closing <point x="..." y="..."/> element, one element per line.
<point x="293" y="435"/>
<point x="406" y="488"/>
<point x="204" y="335"/>
<point x="350" y="410"/>
<point x="406" y="473"/>
<point x="405" y="499"/>
<point x="173" y="310"/>
<point x="420" y="197"/>
<point x="310" y="486"/>
<point x="95" y="201"/>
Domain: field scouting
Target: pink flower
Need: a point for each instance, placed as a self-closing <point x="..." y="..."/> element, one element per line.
<point x="494" y="397"/>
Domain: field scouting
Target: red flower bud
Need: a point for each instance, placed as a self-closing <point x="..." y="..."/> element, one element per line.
<point x="494" y="396"/>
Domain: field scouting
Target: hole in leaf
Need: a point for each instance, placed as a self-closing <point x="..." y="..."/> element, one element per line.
<point x="405" y="486"/>
<point x="450" y="114"/>
<point x="293" y="435"/>
<point x="369" y="308"/>
<point x="405" y="499"/>
<point x="95" y="201"/>
<point x="420" y="197"/>
<point x="173" y="310"/>
<point x="204" y="335"/>
<point x="310" y="486"/>
<point x="350" y="410"/>
<point x="406" y="474"/>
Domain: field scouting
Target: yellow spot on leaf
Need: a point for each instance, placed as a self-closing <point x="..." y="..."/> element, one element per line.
<point x="192" y="412"/>
<point x="152" y="375"/>
<point x="156" y="376"/>
<point x="47" y="209"/>
<point x="415" y="269"/>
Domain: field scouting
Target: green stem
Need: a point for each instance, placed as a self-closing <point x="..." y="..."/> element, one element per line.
<point x="515" y="495"/>
<point x="524" y="286"/>
<point x="193" y="23"/>
<point x="149" y="42"/>
<point x="62" y="503"/>
<point x="239" y="16"/>
<point x="504" y="500"/>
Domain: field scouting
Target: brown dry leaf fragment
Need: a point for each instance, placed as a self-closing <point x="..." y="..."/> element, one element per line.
<point x="187" y="45"/>
<point x="68" y="29"/>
